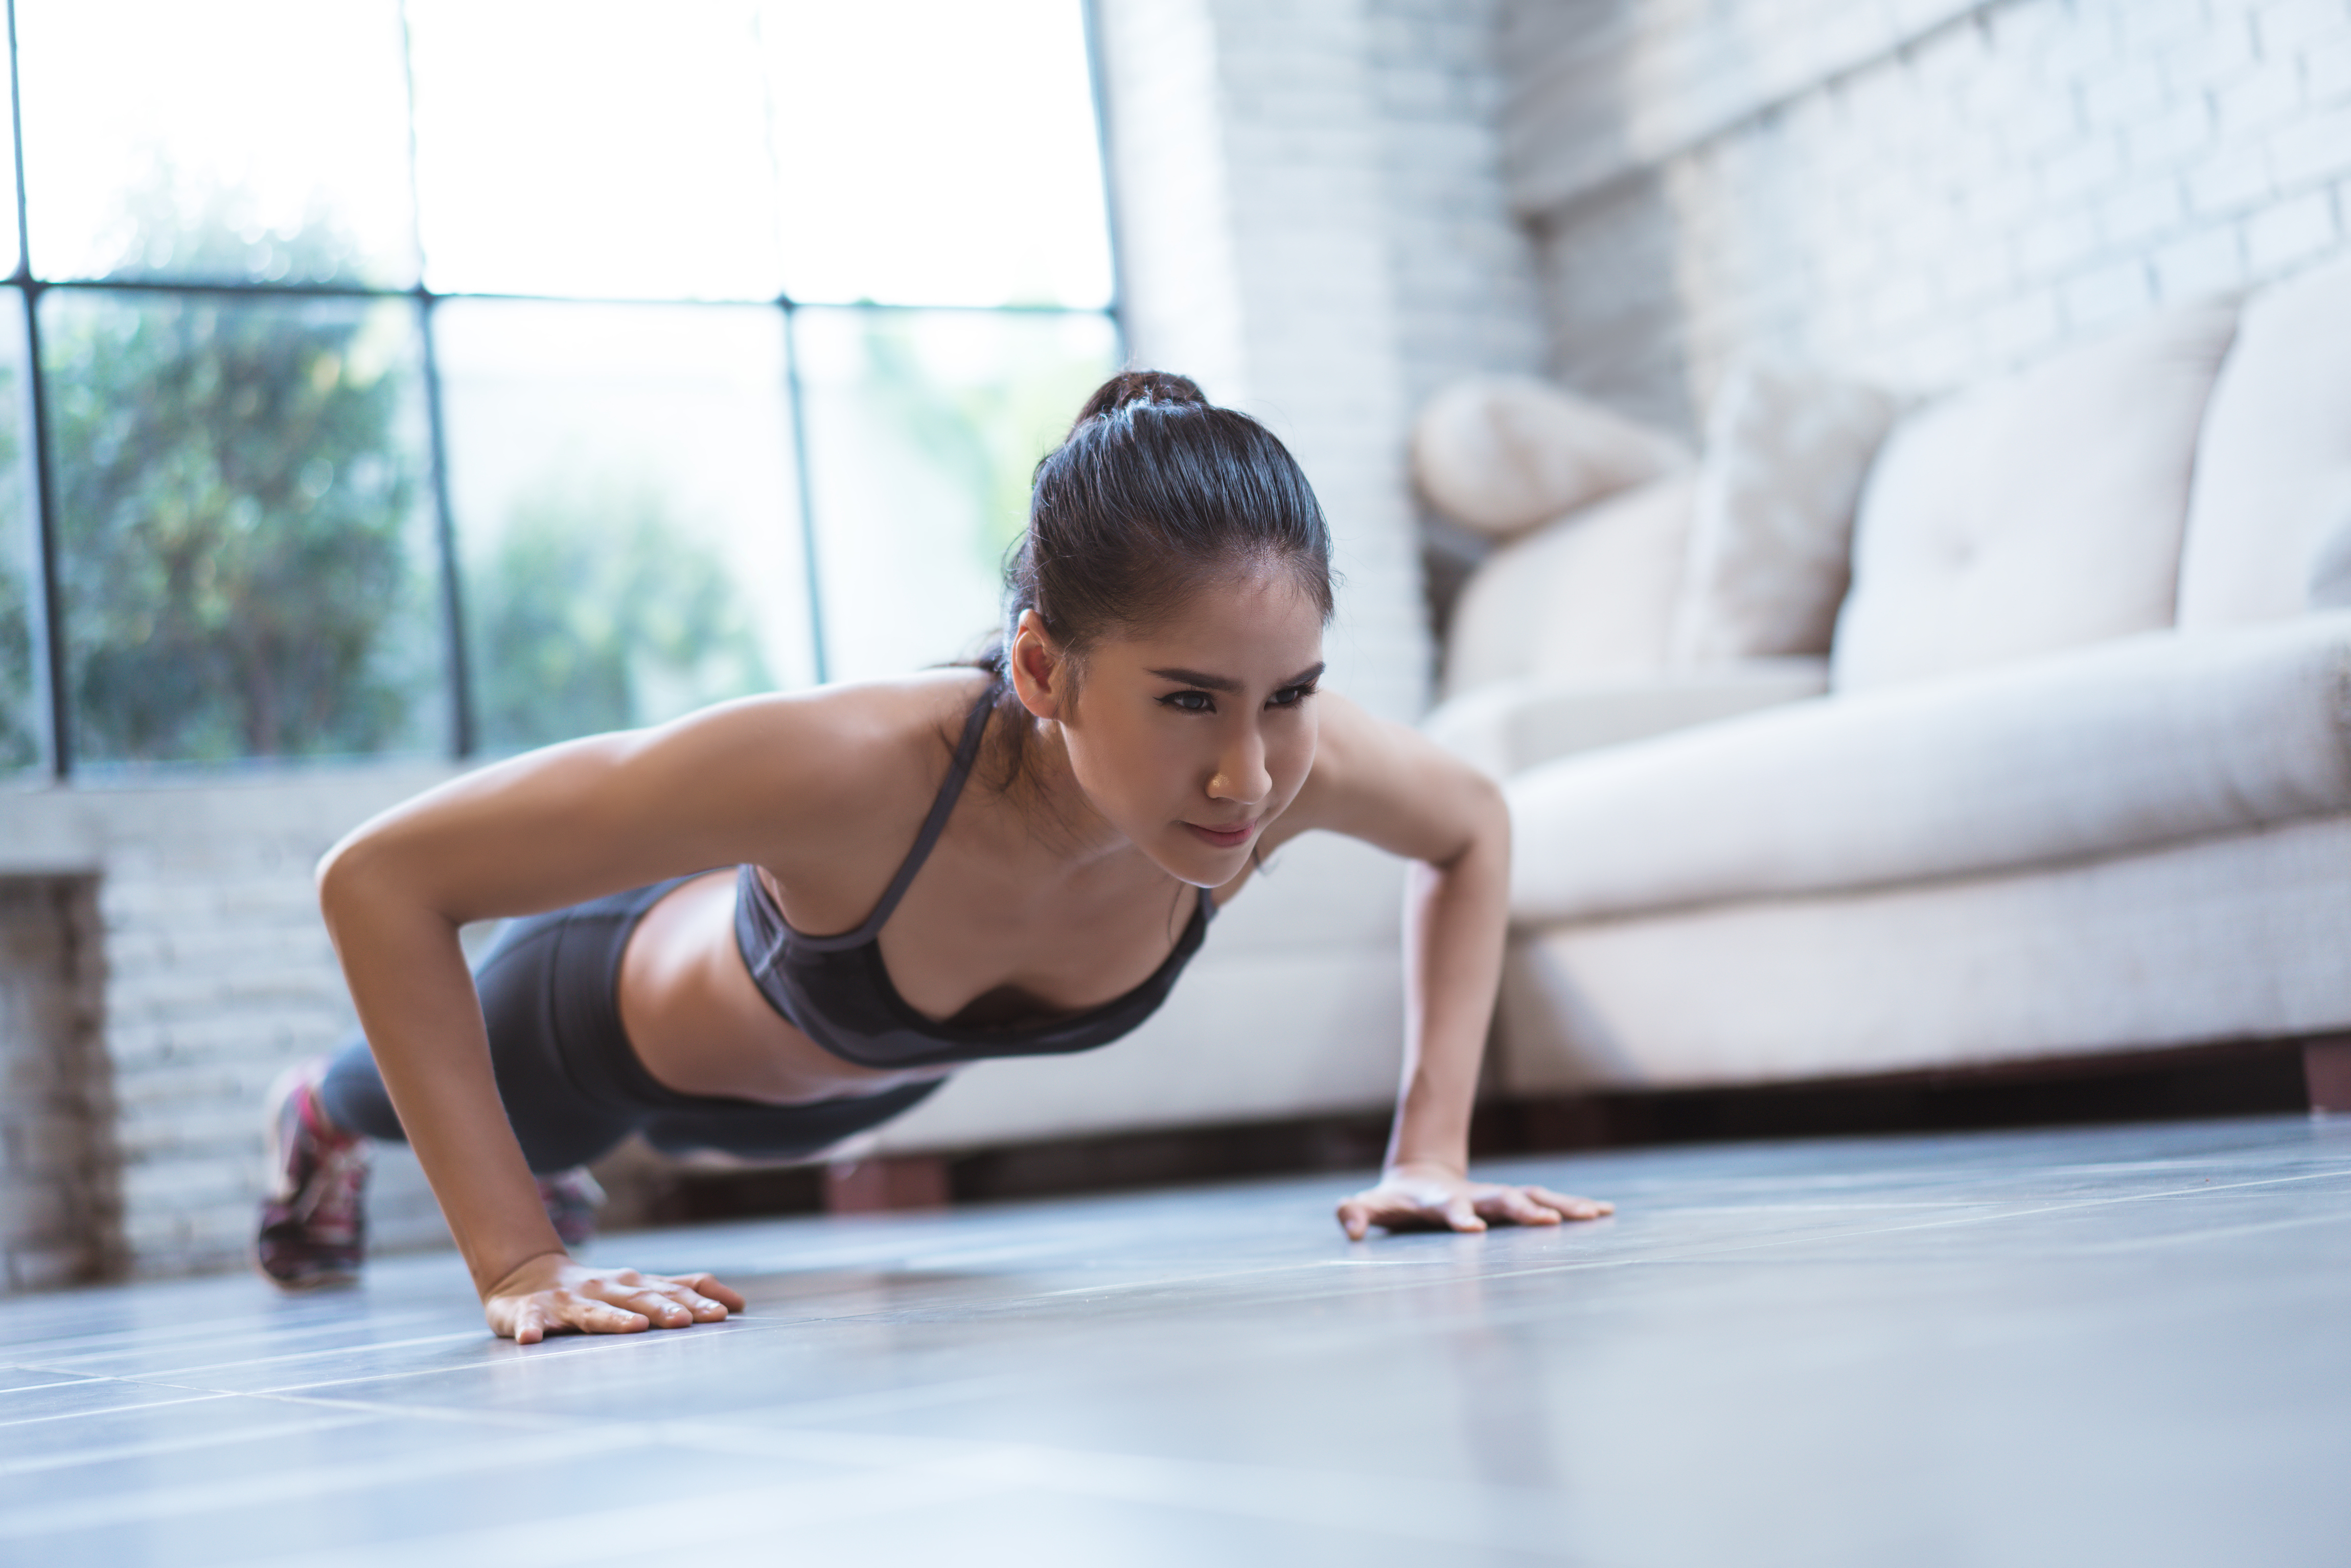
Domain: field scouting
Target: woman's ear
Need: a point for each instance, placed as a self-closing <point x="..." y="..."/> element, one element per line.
<point x="1041" y="673"/>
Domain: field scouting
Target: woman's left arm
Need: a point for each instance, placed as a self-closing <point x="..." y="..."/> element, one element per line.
<point x="1392" y="786"/>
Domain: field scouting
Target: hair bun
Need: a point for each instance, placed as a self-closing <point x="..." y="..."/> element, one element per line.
<point x="1129" y="388"/>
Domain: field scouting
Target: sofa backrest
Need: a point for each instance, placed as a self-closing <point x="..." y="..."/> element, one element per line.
<point x="1591" y="594"/>
<point x="2274" y="466"/>
<point x="2035" y="512"/>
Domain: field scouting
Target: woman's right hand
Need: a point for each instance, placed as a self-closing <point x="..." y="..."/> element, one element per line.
<point x="552" y="1294"/>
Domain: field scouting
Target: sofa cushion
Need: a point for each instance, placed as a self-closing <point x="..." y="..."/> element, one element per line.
<point x="1772" y="534"/>
<point x="1591" y="594"/>
<point x="1510" y="726"/>
<point x="1504" y="453"/>
<point x="2037" y="512"/>
<point x="2142" y="741"/>
<point x="2273" y="468"/>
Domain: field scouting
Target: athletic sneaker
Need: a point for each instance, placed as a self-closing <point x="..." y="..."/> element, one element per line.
<point x="572" y="1198"/>
<point x="314" y="1222"/>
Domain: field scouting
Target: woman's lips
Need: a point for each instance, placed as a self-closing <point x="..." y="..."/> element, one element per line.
<point x="1224" y="837"/>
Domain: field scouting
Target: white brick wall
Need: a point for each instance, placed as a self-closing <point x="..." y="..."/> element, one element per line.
<point x="59" y="1189"/>
<point x="1463" y="270"/>
<point x="2028" y="173"/>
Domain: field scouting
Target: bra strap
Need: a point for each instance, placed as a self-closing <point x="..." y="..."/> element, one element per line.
<point x="950" y="789"/>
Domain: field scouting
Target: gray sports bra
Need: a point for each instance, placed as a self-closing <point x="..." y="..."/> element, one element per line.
<point x="836" y="990"/>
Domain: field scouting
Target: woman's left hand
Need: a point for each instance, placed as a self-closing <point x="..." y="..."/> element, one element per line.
<point x="1434" y="1198"/>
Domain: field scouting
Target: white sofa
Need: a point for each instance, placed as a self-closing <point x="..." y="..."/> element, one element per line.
<point x="2066" y="771"/>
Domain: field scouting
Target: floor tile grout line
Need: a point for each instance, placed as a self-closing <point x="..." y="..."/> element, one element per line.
<point x="286" y="1484"/>
<point x="658" y="1528"/>
<point x="193" y="1397"/>
<point x="246" y="1324"/>
<point x="721" y="1429"/>
<point x="2184" y="1237"/>
<point x="58" y="1378"/>
<point x="160" y="1447"/>
<point x="268" y="1360"/>
<point x="503" y="1420"/>
<point x="582" y="1344"/>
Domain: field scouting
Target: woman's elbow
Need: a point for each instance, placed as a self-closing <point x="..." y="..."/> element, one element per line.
<point x="1489" y="814"/>
<point x="347" y="870"/>
<point x="1479" y="830"/>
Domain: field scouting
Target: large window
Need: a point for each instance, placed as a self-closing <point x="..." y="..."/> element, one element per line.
<point x="463" y="375"/>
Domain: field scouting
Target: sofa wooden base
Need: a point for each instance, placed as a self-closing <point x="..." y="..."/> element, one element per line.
<point x="870" y="1186"/>
<point x="2326" y="1073"/>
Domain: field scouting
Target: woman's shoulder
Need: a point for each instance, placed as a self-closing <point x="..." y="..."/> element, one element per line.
<point x="893" y="710"/>
<point x="858" y="744"/>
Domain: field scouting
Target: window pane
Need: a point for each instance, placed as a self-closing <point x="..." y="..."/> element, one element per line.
<point x="923" y="429"/>
<point x="593" y="149"/>
<point x="245" y="566"/>
<point x="22" y="745"/>
<point x="622" y="483"/>
<point x="937" y="152"/>
<point x="244" y="140"/>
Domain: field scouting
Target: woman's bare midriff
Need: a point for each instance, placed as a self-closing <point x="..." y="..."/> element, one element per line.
<point x="701" y="1026"/>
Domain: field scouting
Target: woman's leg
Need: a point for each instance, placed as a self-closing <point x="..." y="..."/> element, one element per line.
<point x="558" y="1126"/>
<point x="777" y="1132"/>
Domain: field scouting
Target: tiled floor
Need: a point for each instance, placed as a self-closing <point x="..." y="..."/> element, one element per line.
<point x="2121" y="1345"/>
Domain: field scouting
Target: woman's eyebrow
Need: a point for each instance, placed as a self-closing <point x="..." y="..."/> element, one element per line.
<point x="1195" y="678"/>
<point x="1226" y="682"/>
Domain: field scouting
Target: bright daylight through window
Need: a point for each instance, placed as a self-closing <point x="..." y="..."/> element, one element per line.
<point x="469" y="374"/>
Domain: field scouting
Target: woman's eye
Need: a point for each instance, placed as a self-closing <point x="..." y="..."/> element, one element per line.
<point x="1190" y="702"/>
<point x="1290" y="696"/>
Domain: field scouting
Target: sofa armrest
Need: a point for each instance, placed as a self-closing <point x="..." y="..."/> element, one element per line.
<point x="1510" y="726"/>
<point x="2123" y="746"/>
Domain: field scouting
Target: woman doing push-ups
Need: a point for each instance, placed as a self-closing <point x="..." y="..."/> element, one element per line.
<point x="1008" y="860"/>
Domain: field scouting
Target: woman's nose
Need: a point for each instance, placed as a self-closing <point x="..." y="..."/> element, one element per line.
<point x="1242" y="773"/>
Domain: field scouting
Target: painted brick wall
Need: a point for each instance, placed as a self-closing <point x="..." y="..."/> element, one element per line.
<point x="1961" y="189"/>
<point x="58" y="1193"/>
<point x="1462" y="268"/>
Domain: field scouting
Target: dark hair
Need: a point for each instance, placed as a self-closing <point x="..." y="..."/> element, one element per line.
<point x="1155" y="493"/>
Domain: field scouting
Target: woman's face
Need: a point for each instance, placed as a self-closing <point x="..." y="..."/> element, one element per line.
<point x="1189" y="738"/>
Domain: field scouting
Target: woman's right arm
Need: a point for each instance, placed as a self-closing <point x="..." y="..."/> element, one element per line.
<point x="538" y="832"/>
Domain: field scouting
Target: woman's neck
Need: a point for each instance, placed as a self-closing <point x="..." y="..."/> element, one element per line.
<point x="1053" y="806"/>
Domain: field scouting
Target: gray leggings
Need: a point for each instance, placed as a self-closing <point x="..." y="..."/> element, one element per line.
<point x="573" y="1087"/>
